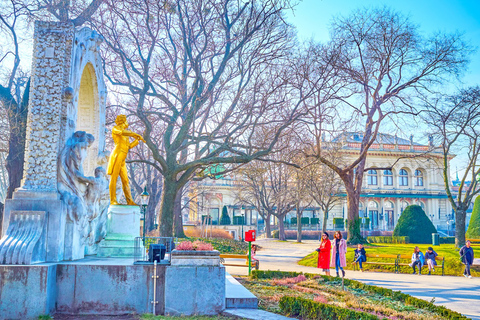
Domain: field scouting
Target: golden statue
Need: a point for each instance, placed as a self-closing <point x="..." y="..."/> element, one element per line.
<point x="116" y="163"/>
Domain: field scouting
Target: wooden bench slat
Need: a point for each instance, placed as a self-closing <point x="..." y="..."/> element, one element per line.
<point x="371" y="255"/>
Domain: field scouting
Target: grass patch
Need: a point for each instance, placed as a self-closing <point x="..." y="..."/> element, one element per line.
<point x="310" y="296"/>
<point x="453" y="265"/>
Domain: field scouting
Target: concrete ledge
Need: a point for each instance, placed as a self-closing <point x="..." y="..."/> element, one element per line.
<point x="194" y="290"/>
<point x="27" y="291"/>
<point x="237" y="296"/>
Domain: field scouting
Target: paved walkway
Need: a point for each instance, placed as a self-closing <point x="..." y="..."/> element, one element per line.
<point x="456" y="293"/>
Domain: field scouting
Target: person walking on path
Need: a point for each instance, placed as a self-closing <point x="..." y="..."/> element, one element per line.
<point x="430" y="259"/>
<point x="324" y="254"/>
<point x="360" y="256"/>
<point x="466" y="254"/>
<point x="418" y="259"/>
<point x="339" y="251"/>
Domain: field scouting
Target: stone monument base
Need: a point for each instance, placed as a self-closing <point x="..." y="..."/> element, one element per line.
<point x="123" y="226"/>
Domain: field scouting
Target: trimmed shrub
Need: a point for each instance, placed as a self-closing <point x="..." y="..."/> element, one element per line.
<point x="309" y="309"/>
<point x="314" y="220"/>
<point x="293" y="220"/>
<point x="305" y="220"/>
<point x="238" y="220"/>
<point x="473" y="231"/>
<point x="225" y="218"/>
<point x="338" y="223"/>
<point x="381" y="239"/>
<point x="447" y="240"/>
<point x="415" y="224"/>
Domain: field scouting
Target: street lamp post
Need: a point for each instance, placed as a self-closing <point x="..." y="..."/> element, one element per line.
<point x="144" y="196"/>
<point x="243" y="222"/>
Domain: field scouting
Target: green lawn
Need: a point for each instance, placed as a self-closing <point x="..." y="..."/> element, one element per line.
<point x="453" y="265"/>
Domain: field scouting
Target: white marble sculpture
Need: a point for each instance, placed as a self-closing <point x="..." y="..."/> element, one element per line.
<point x="82" y="196"/>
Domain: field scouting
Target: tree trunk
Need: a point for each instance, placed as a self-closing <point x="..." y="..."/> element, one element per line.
<point x="17" y="119"/>
<point x="460" y="215"/>
<point x="167" y="206"/>
<point x="281" y="229"/>
<point x="353" y="227"/>
<point x="268" y="230"/>
<point x="177" y="211"/>
<point x="325" y="221"/>
<point x="299" y="224"/>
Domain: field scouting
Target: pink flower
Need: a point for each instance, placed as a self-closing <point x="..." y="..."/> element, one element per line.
<point x="196" y="245"/>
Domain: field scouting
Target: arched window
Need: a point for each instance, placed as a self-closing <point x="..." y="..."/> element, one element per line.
<point x="372" y="177"/>
<point x="403" y="177"/>
<point x="387" y="178"/>
<point x="418" y="178"/>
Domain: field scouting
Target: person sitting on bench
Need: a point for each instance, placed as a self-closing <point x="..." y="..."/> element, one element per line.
<point x="417" y="260"/>
<point x="430" y="258"/>
<point x="360" y="256"/>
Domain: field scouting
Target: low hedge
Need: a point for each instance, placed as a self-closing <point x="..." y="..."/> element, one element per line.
<point x="383" y="239"/>
<point x="306" y="234"/>
<point x="395" y="295"/>
<point x="447" y="240"/>
<point x="309" y="309"/>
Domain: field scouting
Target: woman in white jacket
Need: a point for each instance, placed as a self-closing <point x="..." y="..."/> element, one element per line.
<point x="418" y="259"/>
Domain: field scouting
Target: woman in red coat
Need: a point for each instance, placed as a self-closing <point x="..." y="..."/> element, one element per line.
<point x="324" y="254"/>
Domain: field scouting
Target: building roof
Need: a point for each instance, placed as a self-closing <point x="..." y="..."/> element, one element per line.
<point x="381" y="138"/>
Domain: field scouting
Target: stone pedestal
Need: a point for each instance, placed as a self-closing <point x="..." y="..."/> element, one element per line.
<point x="195" y="258"/>
<point x="123" y="225"/>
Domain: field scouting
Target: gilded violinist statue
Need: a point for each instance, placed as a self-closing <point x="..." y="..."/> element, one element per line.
<point x="116" y="164"/>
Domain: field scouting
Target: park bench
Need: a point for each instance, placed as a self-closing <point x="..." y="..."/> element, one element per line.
<point x="440" y="262"/>
<point x="255" y="263"/>
<point x="392" y="260"/>
<point x="474" y="242"/>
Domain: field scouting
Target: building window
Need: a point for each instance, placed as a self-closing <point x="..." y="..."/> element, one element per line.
<point x="418" y="178"/>
<point x="403" y="178"/>
<point x="372" y="177"/>
<point x="387" y="178"/>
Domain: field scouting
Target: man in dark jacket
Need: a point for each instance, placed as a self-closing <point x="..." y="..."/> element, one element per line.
<point x="466" y="253"/>
<point x="360" y="256"/>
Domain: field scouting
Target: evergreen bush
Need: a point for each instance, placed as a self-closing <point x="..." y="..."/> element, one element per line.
<point x="309" y="309"/>
<point x="293" y="220"/>
<point x="225" y="218"/>
<point x="386" y="239"/>
<point x="415" y="225"/>
<point x="473" y="231"/>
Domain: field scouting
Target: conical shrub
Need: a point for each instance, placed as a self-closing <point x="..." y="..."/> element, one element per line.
<point x="415" y="224"/>
<point x="473" y="231"/>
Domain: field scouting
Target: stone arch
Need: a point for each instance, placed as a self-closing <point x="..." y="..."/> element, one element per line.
<point x="86" y="111"/>
<point x="88" y="114"/>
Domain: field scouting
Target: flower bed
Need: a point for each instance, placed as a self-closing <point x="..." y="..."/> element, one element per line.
<point x="311" y="296"/>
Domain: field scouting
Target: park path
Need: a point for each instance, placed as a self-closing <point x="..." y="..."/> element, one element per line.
<point x="456" y="293"/>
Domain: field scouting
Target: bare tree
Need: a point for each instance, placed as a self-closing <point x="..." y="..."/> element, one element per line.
<point x="455" y="122"/>
<point x="324" y="186"/>
<point x="254" y="190"/>
<point x="218" y="72"/>
<point x="385" y="64"/>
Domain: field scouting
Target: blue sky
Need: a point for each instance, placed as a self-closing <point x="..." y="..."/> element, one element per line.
<point x="313" y="17"/>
